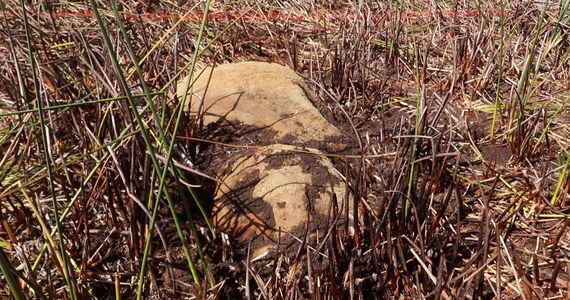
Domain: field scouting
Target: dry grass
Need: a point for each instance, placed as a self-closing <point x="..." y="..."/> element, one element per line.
<point x="472" y="98"/>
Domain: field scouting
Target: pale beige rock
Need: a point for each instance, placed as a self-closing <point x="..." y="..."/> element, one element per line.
<point x="278" y="186"/>
<point x="275" y="188"/>
<point x="264" y="95"/>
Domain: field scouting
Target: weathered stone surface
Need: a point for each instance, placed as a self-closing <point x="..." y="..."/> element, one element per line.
<point x="264" y="95"/>
<point x="274" y="188"/>
<point x="277" y="186"/>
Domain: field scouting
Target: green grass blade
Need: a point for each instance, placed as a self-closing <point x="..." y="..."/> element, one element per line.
<point x="67" y="271"/>
<point x="7" y="270"/>
<point x="525" y="86"/>
<point x="561" y="180"/>
<point x="497" y="101"/>
<point x="146" y="138"/>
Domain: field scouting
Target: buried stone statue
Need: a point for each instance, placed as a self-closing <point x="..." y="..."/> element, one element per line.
<point x="274" y="177"/>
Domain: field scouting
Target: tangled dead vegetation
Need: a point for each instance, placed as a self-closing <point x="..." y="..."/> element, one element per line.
<point x="459" y="114"/>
